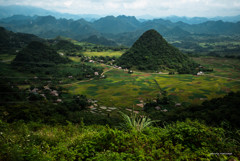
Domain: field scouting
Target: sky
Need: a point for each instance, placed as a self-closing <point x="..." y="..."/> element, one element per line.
<point x="155" y="8"/>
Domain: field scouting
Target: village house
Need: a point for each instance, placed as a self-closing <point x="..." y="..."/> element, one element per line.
<point x="140" y="105"/>
<point x="43" y="95"/>
<point x="158" y="108"/>
<point x="59" y="100"/>
<point x="54" y="93"/>
<point x="177" y="104"/>
<point x="200" y="73"/>
<point x="165" y="110"/>
<point x="34" y="90"/>
<point x="46" y="88"/>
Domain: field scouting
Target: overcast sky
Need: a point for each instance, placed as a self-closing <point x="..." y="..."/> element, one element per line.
<point x="156" y="8"/>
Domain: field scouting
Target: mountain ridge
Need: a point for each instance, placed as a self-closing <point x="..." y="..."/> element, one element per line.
<point x="10" y="10"/>
<point x="112" y="28"/>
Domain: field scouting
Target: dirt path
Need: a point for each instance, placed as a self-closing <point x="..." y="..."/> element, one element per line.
<point x="5" y="61"/>
<point x="70" y="84"/>
<point x="107" y="71"/>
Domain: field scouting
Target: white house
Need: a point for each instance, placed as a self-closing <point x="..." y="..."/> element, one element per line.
<point x="200" y="73"/>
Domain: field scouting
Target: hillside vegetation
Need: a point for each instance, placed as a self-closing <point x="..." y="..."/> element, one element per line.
<point x="38" y="54"/>
<point x="152" y="52"/>
<point x="188" y="140"/>
<point x="61" y="99"/>
<point x="11" y="42"/>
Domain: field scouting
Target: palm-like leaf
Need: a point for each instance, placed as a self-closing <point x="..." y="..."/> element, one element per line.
<point x="136" y="122"/>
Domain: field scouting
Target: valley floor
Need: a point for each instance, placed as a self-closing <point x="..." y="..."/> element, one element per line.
<point x="120" y="89"/>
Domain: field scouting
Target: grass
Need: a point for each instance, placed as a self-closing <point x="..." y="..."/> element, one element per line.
<point x="75" y="59"/>
<point x="104" y="53"/>
<point x="228" y="68"/>
<point x="134" y="122"/>
<point x="121" y="89"/>
<point x="6" y="57"/>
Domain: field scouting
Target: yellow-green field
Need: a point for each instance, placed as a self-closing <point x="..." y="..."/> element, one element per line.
<point x="74" y="58"/>
<point x="104" y="53"/>
<point x="6" y="57"/>
<point x="121" y="89"/>
<point x="229" y="68"/>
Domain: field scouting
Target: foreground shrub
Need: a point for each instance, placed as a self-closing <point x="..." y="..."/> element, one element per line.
<point x="189" y="140"/>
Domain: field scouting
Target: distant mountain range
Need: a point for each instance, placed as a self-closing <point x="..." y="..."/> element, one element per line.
<point x="110" y="30"/>
<point x="197" y="20"/>
<point x="8" y="11"/>
<point x="124" y="30"/>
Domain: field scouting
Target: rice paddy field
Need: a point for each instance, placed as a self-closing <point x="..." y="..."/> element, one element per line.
<point x="105" y="53"/>
<point x="120" y="89"/>
<point x="229" y="68"/>
<point x="6" y="58"/>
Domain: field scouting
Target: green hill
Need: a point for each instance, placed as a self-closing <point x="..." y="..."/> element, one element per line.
<point x="65" y="45"/>
<point x="10" y="41"/>
<point x="94" y="39"/>
<point x="152" y="52"/>
<point x="38" y="54"/>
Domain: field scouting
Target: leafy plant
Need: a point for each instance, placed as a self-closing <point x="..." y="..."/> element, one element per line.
<point x="138" y="123"/>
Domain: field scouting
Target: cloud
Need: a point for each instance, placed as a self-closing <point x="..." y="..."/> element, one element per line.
<point x="142" y="4"/>
<point x="68" y="3"/>
<point x="157" y="8"/>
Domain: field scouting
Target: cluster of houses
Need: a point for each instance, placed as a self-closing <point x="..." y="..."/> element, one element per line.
<point x="46" y="91"/>
<point x="158" y="108"/>
<point x="125" y="70"/>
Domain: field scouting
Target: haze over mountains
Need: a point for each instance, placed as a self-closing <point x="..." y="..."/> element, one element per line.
<point x="8" y="11"/>
<point x="109" y="30"/>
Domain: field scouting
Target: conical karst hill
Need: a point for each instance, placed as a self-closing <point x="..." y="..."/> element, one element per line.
<point x="152" y="52"/>
<point x="38" y="53"/>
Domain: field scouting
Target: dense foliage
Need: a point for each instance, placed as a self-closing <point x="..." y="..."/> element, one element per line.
<point x="42" y="106"/>
<point x="99" y="40"/>
<point x="38" y="54"/>
<point x="213" y="112"/>
<point x="11" y="42"/>
<point x="66" y="46"/>
<point x="152" y="52"/>
<point x="188" y="140"/>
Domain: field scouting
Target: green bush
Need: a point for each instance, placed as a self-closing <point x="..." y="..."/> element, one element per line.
<point x="189" y="140"/>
